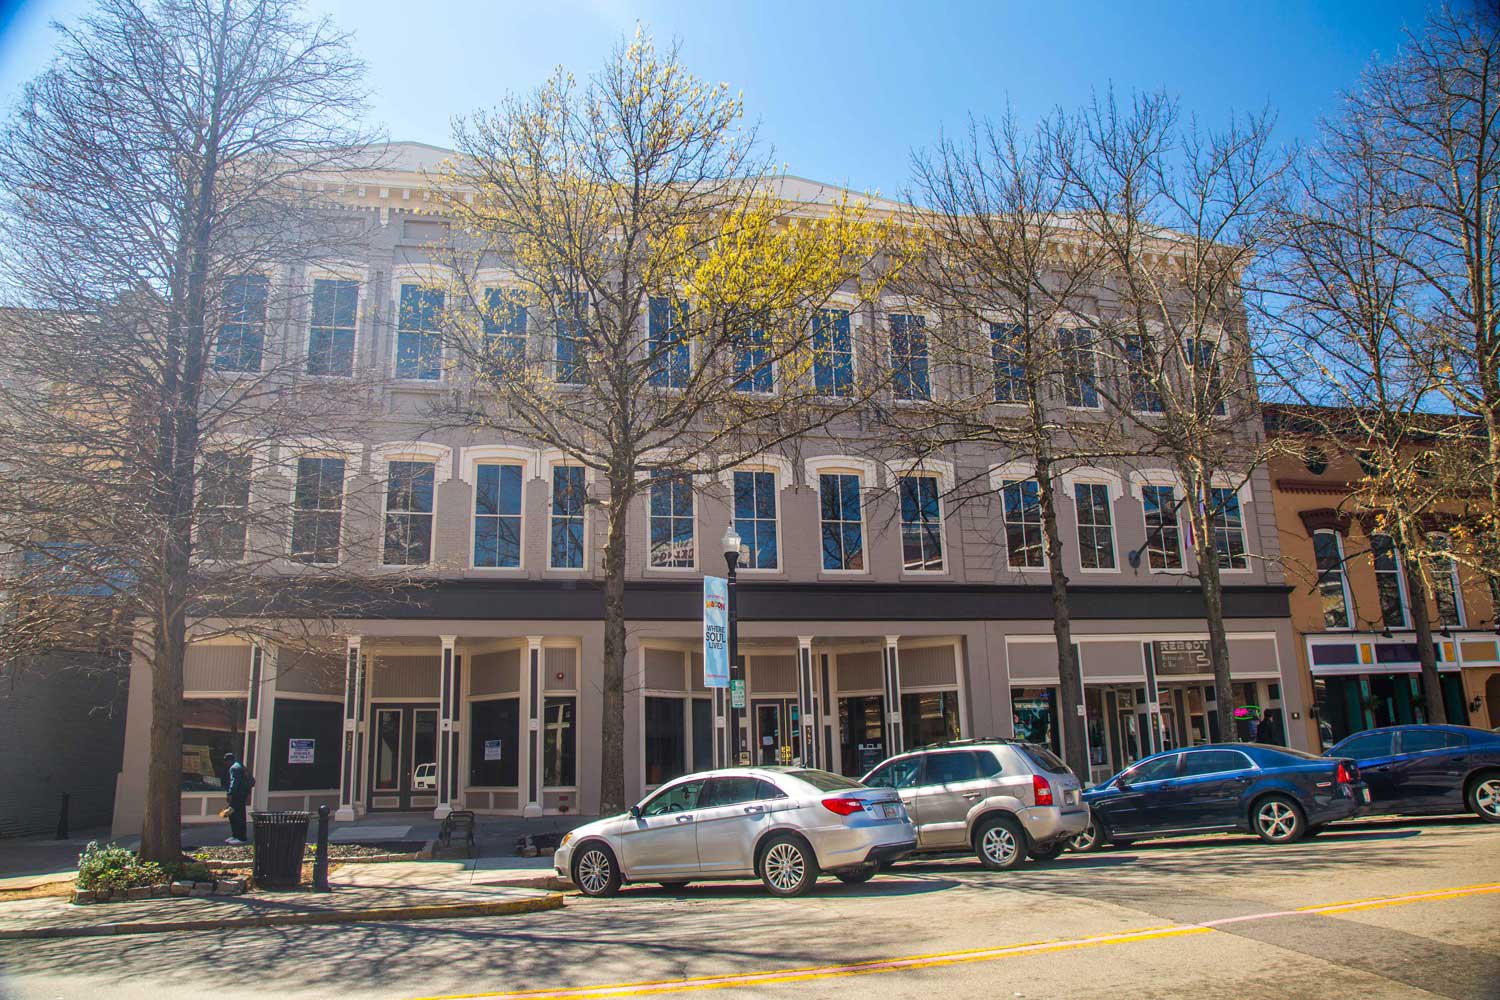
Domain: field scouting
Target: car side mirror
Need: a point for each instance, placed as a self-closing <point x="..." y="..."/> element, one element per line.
<point x="635" y="812"/>
<point x="1122" y="783"/>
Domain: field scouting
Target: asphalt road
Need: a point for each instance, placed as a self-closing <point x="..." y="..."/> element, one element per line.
<point x="1372" y="910"/>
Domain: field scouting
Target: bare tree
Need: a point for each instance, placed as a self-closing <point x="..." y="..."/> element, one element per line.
<point x="158" y="177"/>
<point x="635" y="221"/>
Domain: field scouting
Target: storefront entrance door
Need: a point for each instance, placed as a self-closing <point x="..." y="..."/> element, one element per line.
<point x="861" y="733"/>
<point x="776" y="729"/>
<point x="403" y="757"/>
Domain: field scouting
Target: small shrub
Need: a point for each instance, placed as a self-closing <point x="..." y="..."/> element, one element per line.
<point x="193" y="871"/>
<point x="112" y="867"/>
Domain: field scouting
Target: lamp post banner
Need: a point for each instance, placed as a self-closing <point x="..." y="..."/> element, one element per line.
<point x="715" y="632"/>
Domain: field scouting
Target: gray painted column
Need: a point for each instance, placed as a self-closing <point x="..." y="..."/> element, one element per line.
<point x="531" y="779"/>
<point x="252" y="721"/>
<point x="348" y="779"/>
<point x="894" y="738"/>
<point x="807" y="702"/>
<point x="447" y="694"/>
<point x="259" y="726"/>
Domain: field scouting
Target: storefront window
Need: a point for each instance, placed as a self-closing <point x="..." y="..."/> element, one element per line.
<point x="559" y="743"/>
<point x="666" y="740"/>
<point x="307" y="740"/>
<point x="931" y="717"/>
<point x="211" y="727"/>
<point x="861" y="733"/>
<point x="494" y="742"/>
<point x="703" y="734"/>
<point x="1035" y="715"/>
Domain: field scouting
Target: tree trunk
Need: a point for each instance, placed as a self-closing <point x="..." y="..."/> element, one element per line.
<point x="612" y="748"/>
<point x="1070" y="708"/>
<point x="161" y="824"/>
<point x="1421" y="622"/>
<point x="1213" y="612"/>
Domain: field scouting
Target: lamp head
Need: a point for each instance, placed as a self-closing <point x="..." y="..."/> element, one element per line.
<point x="731" y="541"/>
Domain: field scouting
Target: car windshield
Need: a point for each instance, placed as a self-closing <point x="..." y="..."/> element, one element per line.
<point x="1045" y="759"/>
<point x="825" y="781"/>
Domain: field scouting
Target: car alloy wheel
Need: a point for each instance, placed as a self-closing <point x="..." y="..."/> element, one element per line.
<point x="595" y="873"/>
<point x="1000" y="844"/>
<point x="1086" y="841"/>
<point x="1278" y="821"/>
<point x="785" y="866"/>
<point x="1487" y="799"/>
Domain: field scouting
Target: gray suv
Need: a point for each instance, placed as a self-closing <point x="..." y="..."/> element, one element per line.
<point x="1002" y="799"/>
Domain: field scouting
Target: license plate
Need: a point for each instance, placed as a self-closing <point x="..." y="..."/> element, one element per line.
<point x="890" y="810"/>
<point x="1071" y="797"/>
<point x="1365" y="794"/>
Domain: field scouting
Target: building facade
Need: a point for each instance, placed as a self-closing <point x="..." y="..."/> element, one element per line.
<point x="1357" y="660"/>
<point x="923" y="621"/>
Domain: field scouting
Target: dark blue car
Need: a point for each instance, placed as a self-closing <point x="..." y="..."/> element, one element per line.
<point x="1280" y="795"/>
<point x="1428" y="769"/>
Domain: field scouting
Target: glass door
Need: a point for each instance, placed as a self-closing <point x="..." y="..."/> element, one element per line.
<point x="387" y="769"/>
<point x="861" y="733"/>
<point x="778" y="737"/>
<point x="423" y="763"/>
<point x="403" y="757"/>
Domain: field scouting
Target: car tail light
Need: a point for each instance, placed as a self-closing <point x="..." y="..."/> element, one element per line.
<point x="1041" y="790"/>
<point x="1346" y="773"/>
<point x="843" y="806"/>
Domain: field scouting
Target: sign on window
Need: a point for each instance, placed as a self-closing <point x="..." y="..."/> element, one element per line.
<point x="300" y="751"/>
<point x="492" y="749"/>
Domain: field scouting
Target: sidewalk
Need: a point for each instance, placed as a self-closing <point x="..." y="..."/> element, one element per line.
<point x="395" y="891"/>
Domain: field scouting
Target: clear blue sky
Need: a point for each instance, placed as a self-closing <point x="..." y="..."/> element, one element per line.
<point x="844" y="90"/>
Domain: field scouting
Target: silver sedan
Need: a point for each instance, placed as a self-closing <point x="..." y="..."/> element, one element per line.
<point x="783" y="825"/>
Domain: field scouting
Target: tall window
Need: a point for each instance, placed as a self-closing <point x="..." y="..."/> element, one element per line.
<point x="1203" y="360"/>
<point x="666" y="739"/>
<point x="671" y="518"/>
<point x="1229" y="529"/>
<point x="1080" y="378"/>
<point x="317" y="510"/>
<point x="1163" y="531"/>
<point x="569" y="344"/>
<point x="1008" y="353"/>
<point x="226" y="505"/>
<point x="419" y="340"/>
<point x="842" y="522"/>
<point x="408" y="513"/>
<point x="755" y="517"/>
<point x="670" y="352"/>
<point x="504" y="329"/>
<point x="497" y="516"/>
<point x="1145" y="397"/>
<point x="752" y="361"/>
<point x="1328" y="551"/>
<point x="833" y="353"/>
<point x="921" y="524"/>
<point x="1445" y="588"/>
<point x="559" y="742"/>
<point x="1388" y="581"/>
<point x="1096" y="536"/>
<point x="242" y="336"/>
<point x="330" y="339"/>
<point x="1022" y="505"/>
<point x="909" y="357"/>
<point x="568" y="495"/>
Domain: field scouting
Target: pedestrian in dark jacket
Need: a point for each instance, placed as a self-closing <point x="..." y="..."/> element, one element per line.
<point x="239" y="797"/>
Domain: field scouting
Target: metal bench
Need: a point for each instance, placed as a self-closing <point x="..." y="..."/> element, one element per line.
<point x="461" y="821"/>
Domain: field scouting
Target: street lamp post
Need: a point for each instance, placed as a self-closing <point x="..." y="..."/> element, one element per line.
<point x="732" y="544"/>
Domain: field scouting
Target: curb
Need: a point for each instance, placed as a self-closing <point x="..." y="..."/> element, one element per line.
<point x="438" y="911"/>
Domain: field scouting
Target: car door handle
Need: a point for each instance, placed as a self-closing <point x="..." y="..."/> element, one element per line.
<point x="684" y="819"/>
<point x="755" y="809"/>
<point x="972" y="796"/>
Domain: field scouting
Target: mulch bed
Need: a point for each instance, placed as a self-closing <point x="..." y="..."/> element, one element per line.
<point x="336" y="852"/>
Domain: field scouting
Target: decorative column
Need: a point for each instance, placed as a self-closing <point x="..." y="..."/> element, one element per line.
<point x="262" y="700"/>
<point x="447" y="695"/>
<point x="353" y="688"/>
<point x="252" y="717"/>
<point x="807" y="702"/>
<point x="894" y="741"/>
<point x="531" y="792"/>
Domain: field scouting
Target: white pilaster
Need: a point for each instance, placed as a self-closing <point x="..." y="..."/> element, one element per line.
<point x="447" y="697"/>
<point x="807" y="703"/>
<point x="532" y="702"/>
<point x="894" y="739"/>
<point x="348" y="759"/>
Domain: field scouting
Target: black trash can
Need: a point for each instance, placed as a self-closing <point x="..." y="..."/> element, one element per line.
<point x="280" y="840"/>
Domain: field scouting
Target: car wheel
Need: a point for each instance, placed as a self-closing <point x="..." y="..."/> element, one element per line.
<point x="1089" y="840"/>
<point x="595" y="871"/>
<point x="1000" y="843"/>
<point x="1051" y="852"/>
<point x="858" y="876"/>
<point x="1278" y="820"/>
<point x="788" y="866"/>
<point x="1484" y="797"/>
<point x="674" y="886"/>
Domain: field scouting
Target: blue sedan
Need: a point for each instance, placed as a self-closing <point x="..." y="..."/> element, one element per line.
<point x="1428" y="769"/>
<point x="1280" y="795"/>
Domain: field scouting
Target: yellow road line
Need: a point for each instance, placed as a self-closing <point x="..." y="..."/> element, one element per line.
<point x="934" y="959"/>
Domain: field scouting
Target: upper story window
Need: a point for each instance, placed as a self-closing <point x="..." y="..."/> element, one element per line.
<point x="842" y="521"/>
<point x="921" y="525"/>
<point x="755" y="517"/>
<point x="419" y="339"/>
<point x="1333" y="591"/>
<point x="570" y="341"/>
<point x="671" y="521"/>
<point x="225" y="493"/>
<point x="1389" y="581"/>
<point x="1163" y="531"/>
<point x="752" y="362"/>
<point x="671" y="354"/>
<point x="1145" y="396"/>
<point x="1229" y="528"/>
<point x="568" y="496"/>
<point x="1080" y="367"/>
<point x="1096" y="529"/>
<point x="497" y="515"/>
<point x="1008" y="354"/>
<point x="408" y="513"/>
<point x="242" y="336"/>
<point x="1445" y="585"/>
<point x="317" y="509"/>
<point x="833" y="353"/>
<point x="909" y="374"/>
<point x="1022" y="506"/>
<point x="1202" y="356"/>
<point x="330" y="337"/>
<point x="504" y="329"/>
